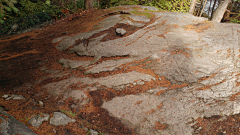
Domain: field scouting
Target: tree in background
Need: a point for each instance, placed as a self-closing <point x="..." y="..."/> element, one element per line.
<point x="192" y="6"/>
<point x="7" y="5"/>
<point x="219" y="12"/>
<point x="89" y="4"/>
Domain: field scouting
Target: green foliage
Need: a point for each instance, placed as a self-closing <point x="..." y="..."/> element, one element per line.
<point x="7" y="5"/>
<point x="122" y="2"/>
<point x="170" y="5"/>
<point x="142" y="14"/>
<point x="73" y="6"/>
<point x="24" y="22"/>
<point x="69" y="113"/>
<point x="235" y="19"/>
<point x="48" y="2"/>
<point x="28" y="7"/>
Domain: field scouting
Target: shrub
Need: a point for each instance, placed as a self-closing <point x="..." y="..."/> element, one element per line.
<point x="7" y="5"/>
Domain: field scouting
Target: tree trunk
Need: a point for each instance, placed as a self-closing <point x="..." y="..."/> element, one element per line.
<point x="199" y="8"/>
<point x="88" y="4"/>
<point x="192" y="6"/>
<point x="213" y="8"/>
<point x="209" y="7"/>
<point x="218" y="14"/>
<point x="203" y="8"/>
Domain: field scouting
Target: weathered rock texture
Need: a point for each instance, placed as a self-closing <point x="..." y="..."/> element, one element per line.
<point x="192" y="63"/>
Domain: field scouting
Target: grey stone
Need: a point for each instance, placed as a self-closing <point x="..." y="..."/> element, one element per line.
<point x="60" y="119"/>
<point x="4" y="96"/>
<point x="93" y="132"/>
<point x="15" y="97"/>
<point x="55" y="131"/>
<point x="120" y="31"/>
<point x="85" y="128"/>
<point x="37" y="120"/>
<point x="1" y="109"/>
<point x="41" y="103"/>
<point x="139" y="18"/>
<point x="11" y="126"/>
<point x="14" y="28"/>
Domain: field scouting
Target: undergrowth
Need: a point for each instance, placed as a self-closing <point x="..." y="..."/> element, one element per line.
<point x="34" y="12"/>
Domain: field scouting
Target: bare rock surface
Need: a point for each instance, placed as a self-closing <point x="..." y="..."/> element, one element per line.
<point x="126" y="21"/>
<point x="139" y="18"/>
<point x="114" y="81"/>
<point x="172" y="71"/>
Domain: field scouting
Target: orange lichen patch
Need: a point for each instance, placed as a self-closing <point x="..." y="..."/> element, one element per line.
<point x="179" y="19"/>
<point x="164" y="82"/>
<point x="209" y="86"/>
<point x="139" y="102"/>
<point x="160" y="126"/>
<point x="186" y="45"/>
<point x="166" y="32"/>
<point x="200" y="27"/>
<point x="234" y="96"/>
<point x="228" y="55"/>
<point x="3" y="116"/>
<point x="229" y="50"/>
<point x="180" y="51"/>
<point x="17" y="55"/>
<point x="159" y="106"/>
<point x="207" y="77"/>
<point x="149" y="37"/>
<point x="173" y="25"/>
<point x="160" y="92"/>
<point x="238" y="84"/>
<point x="185" y="17"/>
<point x="196" y="71"/>
<point x="218" y="51"/>
<point x="161" y="36"/>
<point x="150" y="112"/>
<point x="177" y="86"/>
<point x="176" y="52"/>
<point x="198" y="49"/>
<point x="186" y="54"/>
<point x="163" y="50"/>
